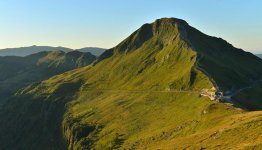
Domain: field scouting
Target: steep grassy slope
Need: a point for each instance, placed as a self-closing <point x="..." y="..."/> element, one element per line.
<point x="142" y="94"/>
<point x="17" y="72"/>
<point x="230" y="68"/>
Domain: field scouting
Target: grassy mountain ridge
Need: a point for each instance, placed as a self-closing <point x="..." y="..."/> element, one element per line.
<point x="142" y="94"/>
<point x="231" y="68"/>
<point x="17" y="72"/>
<point x="25" y="51"/>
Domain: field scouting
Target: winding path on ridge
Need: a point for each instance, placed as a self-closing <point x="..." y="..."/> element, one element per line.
<point x="144" y="91"/>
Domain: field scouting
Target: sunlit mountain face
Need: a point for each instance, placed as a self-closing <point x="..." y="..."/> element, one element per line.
<point x="165" y="86"/>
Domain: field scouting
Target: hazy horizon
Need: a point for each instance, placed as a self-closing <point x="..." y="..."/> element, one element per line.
<point x="104" y="24"/>
<point x="254" y="52"/>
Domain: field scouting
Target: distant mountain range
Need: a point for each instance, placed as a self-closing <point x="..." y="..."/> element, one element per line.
<point x="24" y="51"/>
<point x="259" y="55"/>
<point x="94" y="50"/>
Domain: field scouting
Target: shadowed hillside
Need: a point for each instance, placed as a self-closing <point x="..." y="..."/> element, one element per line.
<point x="17" y="72"/>
<point x="93" y="50"/>
<point x="142" y="94"/>
<point x="250" y="97"/>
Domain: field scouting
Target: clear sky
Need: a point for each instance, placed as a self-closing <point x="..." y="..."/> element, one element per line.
<point x="105" y="23"/>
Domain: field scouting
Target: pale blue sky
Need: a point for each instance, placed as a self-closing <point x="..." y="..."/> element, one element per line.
<point x="104" y="23"/>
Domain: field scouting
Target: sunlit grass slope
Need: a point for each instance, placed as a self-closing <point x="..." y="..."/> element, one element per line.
<point x="142" y="94"/>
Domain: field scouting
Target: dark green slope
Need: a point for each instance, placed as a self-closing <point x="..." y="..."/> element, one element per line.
<point x="230" y="68"/>
<point x="142" y="94"/>
<point x="250" y="97"/>
<point x="17" y="72"/>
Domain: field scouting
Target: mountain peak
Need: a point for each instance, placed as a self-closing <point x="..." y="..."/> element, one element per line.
<point x="171" y="20"/>
<point x="167" y="24"/>
<point x="175" y="36"/>
<point x="164" y="30"/>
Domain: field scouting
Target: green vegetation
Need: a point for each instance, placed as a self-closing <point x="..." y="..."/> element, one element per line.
<point x="17" y="72"/>
<point x="231" y="68"/>
<point x="25" y="51"/>
<point x="142" y="94"/>
<point x="250" y="97"/>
